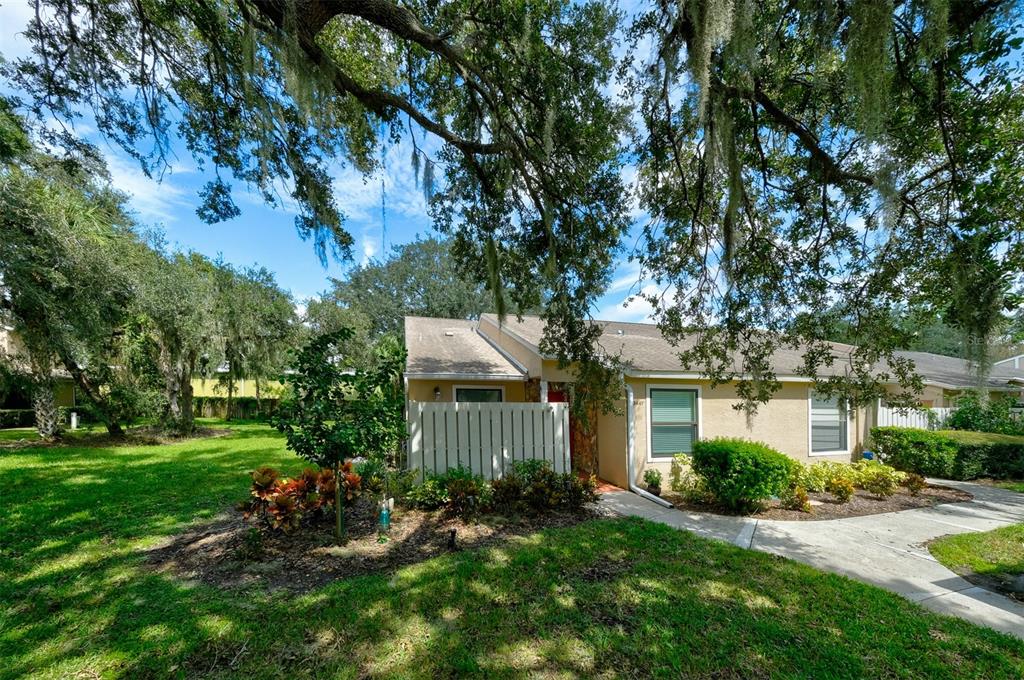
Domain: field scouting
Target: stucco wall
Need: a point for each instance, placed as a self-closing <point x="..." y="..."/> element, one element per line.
<point x="211" y="387"/>
<point x="423" y="390"/>
<point x="782" y="423"/>
<point x="611" y="445"/>
<point x="529" y="359"/>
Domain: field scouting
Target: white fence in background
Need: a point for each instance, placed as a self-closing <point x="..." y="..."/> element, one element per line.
<point x="925" y="419"/>
<point x="486" y="437"/>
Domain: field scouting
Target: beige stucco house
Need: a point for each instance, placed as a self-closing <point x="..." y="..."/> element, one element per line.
<point x="665" y="406"/>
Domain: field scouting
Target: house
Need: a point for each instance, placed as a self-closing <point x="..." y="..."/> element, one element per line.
<point x="665" y="406"/>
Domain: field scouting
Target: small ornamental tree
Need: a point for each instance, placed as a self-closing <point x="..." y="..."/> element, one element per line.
<point x="335" y="413"/>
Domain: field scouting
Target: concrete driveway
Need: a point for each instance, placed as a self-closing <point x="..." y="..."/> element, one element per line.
<point x="886" y="550"/>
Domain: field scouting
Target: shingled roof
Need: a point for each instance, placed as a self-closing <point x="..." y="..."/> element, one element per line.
<point x="645" y="350"/>
<point x="453" y="348"/>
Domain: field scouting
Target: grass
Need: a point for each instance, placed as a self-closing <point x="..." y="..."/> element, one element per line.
<point x="1010" y="484"/>
<point x="971" y="437"/>
<point x="612" y="598"/>
<point x="999" y="552"/>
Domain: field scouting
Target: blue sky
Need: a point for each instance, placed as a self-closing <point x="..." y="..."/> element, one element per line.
<point x="265" y="235"/>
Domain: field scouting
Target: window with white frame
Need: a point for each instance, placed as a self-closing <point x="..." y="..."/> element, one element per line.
<point x="673" y="414"/>
<point x="829" y="424"/>
<point x="479" y="394"/>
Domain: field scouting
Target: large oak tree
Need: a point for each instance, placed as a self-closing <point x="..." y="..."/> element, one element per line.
<point x="801" y="162"/>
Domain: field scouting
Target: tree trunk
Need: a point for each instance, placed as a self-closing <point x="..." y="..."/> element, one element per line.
<point x="45" y="406"/>
<point x="259" y="404"/>
<point x="95" y="397"/>
<point x="177" y="370"/>
<point x="339" y="511"/>
<point x="231" y="392"/>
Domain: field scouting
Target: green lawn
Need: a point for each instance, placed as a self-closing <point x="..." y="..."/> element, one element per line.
<point x="970" y="437"/>
<point x="999" y="552"/>
<point x="605" y="598"/>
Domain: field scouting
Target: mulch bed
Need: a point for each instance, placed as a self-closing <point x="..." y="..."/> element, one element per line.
<point x="221" y="553"/>
<point x="826" y="507"/>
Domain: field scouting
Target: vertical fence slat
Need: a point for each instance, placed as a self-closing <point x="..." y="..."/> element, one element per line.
<point x="548" y="424"/>
<point x="415" y="411"/>
<point x="472" y="437"/>
<point x="924" y="419"/>
<point x="506" y="440"/>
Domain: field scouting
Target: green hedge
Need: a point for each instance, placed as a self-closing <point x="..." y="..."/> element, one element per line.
<point x="740" y="473"/>
<point x="950" y="454"/>
<point x="17" y="417"/>
<point x="244" y="408"/>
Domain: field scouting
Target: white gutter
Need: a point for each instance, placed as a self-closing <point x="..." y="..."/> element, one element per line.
<point x="630" y="451"/>
<point x="465" y="376"/>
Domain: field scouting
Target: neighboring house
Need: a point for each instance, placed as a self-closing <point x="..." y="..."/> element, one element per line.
<point x="665" y="406"/>
<point x="13" y="351"/>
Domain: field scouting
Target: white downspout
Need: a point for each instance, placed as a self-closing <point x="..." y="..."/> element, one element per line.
<point x="631" y="449"/>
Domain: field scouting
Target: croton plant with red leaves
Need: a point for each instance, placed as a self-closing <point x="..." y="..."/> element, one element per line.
<point x="284" y="503"/>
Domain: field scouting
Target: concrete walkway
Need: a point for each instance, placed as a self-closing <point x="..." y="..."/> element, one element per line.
<point x="885" y="550"/>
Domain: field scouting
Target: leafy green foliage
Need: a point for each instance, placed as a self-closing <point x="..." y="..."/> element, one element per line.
<point x="652" y="477"/>
<point x="795" y="498"/>
<point x="818" y="476"/>
<point x="421" y="278"/>
<point x="531" y="486"/>
<point x="284" y="504"/>
<point x="912" y="450"/>
<point x="974" y="413"/>
<point x="951" y="454"/>
<point x="914" y="483"/>
<point x="742" y="474"/>
<point x="841" y="488"/>
<point x="335" y="413"/>
<point x="430" y="495"/>
<point x="877" y="478"/>
<point x="684" y="480"/>
<point x="858" y="164"/>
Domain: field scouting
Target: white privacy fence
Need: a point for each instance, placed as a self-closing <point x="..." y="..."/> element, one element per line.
<point x="925" y="419"/>
<point x="486" y="437"/>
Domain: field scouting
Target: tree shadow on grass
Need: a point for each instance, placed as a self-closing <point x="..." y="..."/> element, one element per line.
<point x="604" y="598"/>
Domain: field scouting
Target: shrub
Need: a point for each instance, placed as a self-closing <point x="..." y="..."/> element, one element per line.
<point x="373" y="472"/>
<point x="742" y="474"/>
<point x="284" y="503"/>
<point x="914" y="483"/>
<point x="543" y="488"/>
<point x="530" y="469"/>
<point x="430" y="495"/>
<point x="974" y="415"/>
<point x="507" y="494"/>
<point x="878" y="478"/>
<point x="652" y="477"/>
<point x="820" y="475"/>
<point x="17" y="417"/>
<point x="578" y="491"/>
<point x="467" y="496"/>
<point x="686" y="482"/>
<point x="841" y="489"/>
<point x="926" y="453"/>
<point x="950" y="454"/>
<point x="796" y="498"/>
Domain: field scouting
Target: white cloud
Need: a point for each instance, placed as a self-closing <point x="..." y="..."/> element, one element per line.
<point x="371" y="244"/>
<point x="359" y="197"/>
<point x="636" y="307"/>
<point x="153" y="200"/>
<point x="14" y="18"/>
